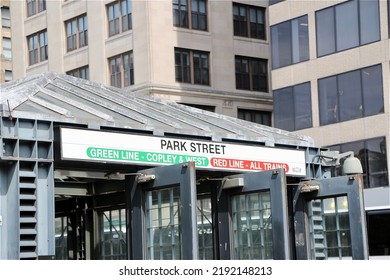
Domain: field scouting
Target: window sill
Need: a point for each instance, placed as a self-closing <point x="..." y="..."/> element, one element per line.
<point x="251" y="40"/>
<point x="119" y="35"/>
<point x="37" y="65"/>
<point x="76" y="51"/>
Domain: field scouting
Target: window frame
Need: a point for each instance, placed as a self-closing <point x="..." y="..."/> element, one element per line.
<point x="188" y="14"/>
<point x="332" y="18"/>
<point x="81" y="72"/>
<point x="363" y="156"/>
<point x="242" y="23"/>
<point x="252" y="115"/>
<point x="36" y="51"/>
<point x="297" y="52"/>
<point x="191" y="72"/>
<point x="7" y="48"/>
<point x="119" y="78"/>
<point x="5" y="17"/>
<point x="294" y="92"/>
<point x="78" y="37"/>
<point x="243" y="77"/>
<point x="118" y="12"/>
<point x="34" y="7"/>
<point x="324" y="96"/>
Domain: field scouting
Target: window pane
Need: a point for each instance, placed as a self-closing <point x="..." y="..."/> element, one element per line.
<point x="5" y="17"/>
<point x="252" y="226"/>
<point x="328" y="101"/>
<point x="300" y="39"/>
<point x="302" y="105"/>
<point x="242" y="73"/>
<point x="8" y="75"/>
<point x="163" y="233"/>
<point x="350" y="96"/>
<point x="372" y="90"/>
<point x="205" y="229"/>
<point x="112" y="234"/>
<point x="7" y="48"/>
<point x="283" y="111"/>
<point x="347" y="26"/>
<point x="369" y="21"/>
<point x="240" y="20"/>
<point x="377" y="162"/>
<point x="281" y="45"/>
<point x="325" y="23"/>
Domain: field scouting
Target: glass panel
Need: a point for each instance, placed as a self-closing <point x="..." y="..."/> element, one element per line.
<point x="300" y="39"/>
<point x="377" y="162"/>
<point x="302" y="105"/>
<point x="252" y="226"/>
<point x="7" y="49"/>
<point x="61" y="238"/>
<point x="325" y="23"/>
<point x="369" y="21"/>
<point x="350" y="96"/>
<point x="163" y="238"/>
<point x="283" y="111"/>
<point x="112" y="234"/>
<point x="281" y="45"/>
<point x="242" y="73"/>
<point x="205" y="230"/>
<point x="347" y="26"/>
<point x="329" y="228"/>
<point x="5" y="17"/>
<point x="329" y="107"/>
<point x="372" y="90"/>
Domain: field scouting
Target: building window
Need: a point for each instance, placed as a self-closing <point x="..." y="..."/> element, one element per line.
<point x="260" y="117"/>
<point x="290" y="42"/>
<point x="76" y="33"/>
<point x="201" y="107"/>
<point x="82" y="72"/>
<point x="119" y="15"/>
<point x="249" y="21"/>
<point x="292" y="107"/>
<point x="347" y="25"/>
<point x="251" y="73"/>
<point x="35" y="6"/>
<point x="7" y="49"/>
<point x="194" y="18"/>
<point x="273" y="2"/>
<point x="8" y="76"/>
<point x="373" y="157"/>
<point x="122" y="70"/>
<point x="37" y="47"/>
<point x="192" y="66"/>
<point x="351" y="95"/>
<point x="5" y="17"/>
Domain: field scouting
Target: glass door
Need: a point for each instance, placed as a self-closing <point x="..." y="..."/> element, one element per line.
<point x="163" y="214"/>
<point x="329" y="219"/>
<point x="252" y="216"/>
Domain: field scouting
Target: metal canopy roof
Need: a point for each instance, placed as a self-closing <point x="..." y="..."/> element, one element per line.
<point x="66" y="99"/>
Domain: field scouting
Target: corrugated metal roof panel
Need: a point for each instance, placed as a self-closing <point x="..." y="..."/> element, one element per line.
<point x="62" y="98"/>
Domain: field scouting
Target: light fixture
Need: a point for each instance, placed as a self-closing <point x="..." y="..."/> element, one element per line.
<point x="351" y="164"/>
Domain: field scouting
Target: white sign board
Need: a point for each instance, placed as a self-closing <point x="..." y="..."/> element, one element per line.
<point x="89" y="145"/>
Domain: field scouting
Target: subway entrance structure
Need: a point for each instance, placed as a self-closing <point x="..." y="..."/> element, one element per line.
<point x="94" y="172"/>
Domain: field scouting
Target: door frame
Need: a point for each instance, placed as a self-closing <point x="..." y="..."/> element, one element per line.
<point x="180" y="175"/>
<point x="350" y="186"/>
<point x="273" y="181"/>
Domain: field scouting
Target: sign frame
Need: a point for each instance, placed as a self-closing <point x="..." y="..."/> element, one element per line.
<point x="149" y="150"/>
